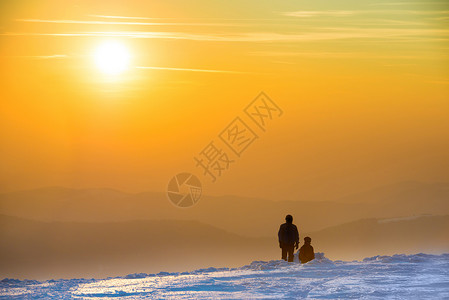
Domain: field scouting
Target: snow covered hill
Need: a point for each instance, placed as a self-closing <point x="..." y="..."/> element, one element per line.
<point x="419" y="276"/>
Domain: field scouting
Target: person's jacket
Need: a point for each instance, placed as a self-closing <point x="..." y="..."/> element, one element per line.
<point x="306" y="253"/>
<point x="288" y="234"/>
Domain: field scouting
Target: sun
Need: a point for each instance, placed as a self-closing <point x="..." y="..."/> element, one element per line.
<point x="112" y="57"/>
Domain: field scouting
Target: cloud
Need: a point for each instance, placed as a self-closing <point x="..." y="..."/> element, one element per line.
<point x="54" y="56"/>
<point x="122" y="17"/>
<point x="345" y="13"/>
<point x="149" y="18"/>
<point x="343" y="55"/>
<point x="405" y="3"/>
<point x="192" y="70"/>
<point x="386" y="30"/>
<point x="124" y="23"/>
<point x="51" y="56"/>
<point x="308" y="14"/>
<point x="320" y="34"/>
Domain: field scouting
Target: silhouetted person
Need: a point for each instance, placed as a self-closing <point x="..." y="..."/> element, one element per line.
<point x="306" y="253"/>
<point x="288" y="238"/>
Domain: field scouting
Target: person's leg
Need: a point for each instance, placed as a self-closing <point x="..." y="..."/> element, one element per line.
<point x="290" y="253"/>
<point x="284" y="253"/>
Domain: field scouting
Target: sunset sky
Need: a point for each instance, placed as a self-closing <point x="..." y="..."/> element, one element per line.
<point x="363" y="86"/>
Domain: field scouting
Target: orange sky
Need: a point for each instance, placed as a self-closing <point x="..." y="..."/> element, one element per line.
<point x="363" y="85"/>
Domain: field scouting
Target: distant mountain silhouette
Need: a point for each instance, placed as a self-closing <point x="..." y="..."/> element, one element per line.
<point x="412" y="192"/>
<point x="44" y="250"/>
<point x="370" y="237"/>
<point x="244" y="216"/>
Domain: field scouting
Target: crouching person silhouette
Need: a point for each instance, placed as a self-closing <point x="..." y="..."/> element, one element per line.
<point x="288" y="238"/>
<point x="306" y="253"/>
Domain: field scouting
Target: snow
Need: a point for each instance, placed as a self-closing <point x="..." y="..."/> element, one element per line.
<point x="419" y="276"/>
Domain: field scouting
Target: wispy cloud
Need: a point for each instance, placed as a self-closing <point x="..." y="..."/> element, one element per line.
<point x="345" y="13"/>
<point x="308" y="54"/>
<point x="54" y="56"/>
<point x="343" y="55"/>
<point x="168" y="18"/>
<point x="308" y="14"/>
<point x="405" y="3"/>
<point x="124" y="23"/>
<point x="192" y="70"/>
<point x="395" y="22"/>
<point x="441" y="18"/>
<point x="122" y="17"/>
<point x="320" y="34"/>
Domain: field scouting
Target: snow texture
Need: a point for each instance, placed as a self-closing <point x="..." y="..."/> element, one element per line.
<point x="419" y="276"/>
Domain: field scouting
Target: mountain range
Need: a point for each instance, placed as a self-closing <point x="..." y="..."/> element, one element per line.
<point x="244" y="216"/>
<point x="42" y="250"/>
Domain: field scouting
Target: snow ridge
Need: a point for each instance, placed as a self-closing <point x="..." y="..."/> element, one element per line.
<point x="418" y="276"/>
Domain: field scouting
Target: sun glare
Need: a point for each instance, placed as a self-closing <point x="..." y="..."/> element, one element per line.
<point x="112" y="57"/>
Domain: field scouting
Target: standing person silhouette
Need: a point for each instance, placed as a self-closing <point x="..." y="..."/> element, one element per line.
<point x="288" y="238"/>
